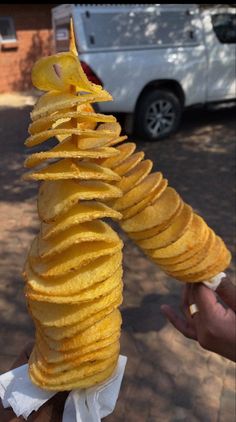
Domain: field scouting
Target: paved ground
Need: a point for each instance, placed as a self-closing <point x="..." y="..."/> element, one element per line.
<point x="168" y="378"/>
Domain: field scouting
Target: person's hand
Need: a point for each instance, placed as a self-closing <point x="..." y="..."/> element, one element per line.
<point x="51" y="411"/>
<point x="213" y="325"/>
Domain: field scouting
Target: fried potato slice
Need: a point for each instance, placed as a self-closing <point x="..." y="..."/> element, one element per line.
<point x="57" y="197"/>
<point x="96" y="291"/>
<point x="125" y="151"/>
<point x="136" y="194"/>
<point x="53" y="368"/>
<point x="91" y="231"/>
<point x="186" y="242"/>
<point x="117" y="140"/>
<point x="80" y="213"/>
<point x="73" y="258"/>
<point x="154" y="215"/>
<point x="113" y="127"/>
<point x="53" y="101"/>
<point x="71" y="169"/>
<point x="71" y="379"/>
<point x="153" y="231"/>
<point x="163" y="262"/>
<point x="135" y="176"/>
<point x="59" y="333"/>
<point x="45" y="123"/>
<point x="67" y="129"/>
<point x="215" y="247"/>
<point x="61" y="71"/>
<point x="217" y="265"/>
<point x="60" y="315"/>
<point x="129" y="163"/>
<point x="75" y="282"/>
<point x="148" y="200"/>
<point x="68" y="149"/>
<point x="170" y="235"/>
<point x="197" y="255"/>
<point x="54" y="356"/>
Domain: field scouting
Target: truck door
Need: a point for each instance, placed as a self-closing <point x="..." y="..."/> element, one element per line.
<point x="220" y="37"/>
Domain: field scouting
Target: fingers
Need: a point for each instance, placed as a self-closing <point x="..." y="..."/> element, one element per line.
<point x="227" y="292"/>
<point x="204" y="298"/>
<point x="180" y="324"/>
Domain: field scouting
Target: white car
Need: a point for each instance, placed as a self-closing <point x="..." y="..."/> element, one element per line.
<point x="154" y="59"/>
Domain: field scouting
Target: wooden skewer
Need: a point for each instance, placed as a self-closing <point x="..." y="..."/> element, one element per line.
<point x="73" y="48"/>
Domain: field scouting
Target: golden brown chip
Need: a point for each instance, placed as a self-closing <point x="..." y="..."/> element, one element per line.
<point x="73" y="169"/>
<point x="80" y="213"/>
<point x="129" y="163"/>
<point x="53" y="368"/>
<point x="67" y="129"/>
<point x="75" y="377"/>
<point x="97" y="290"/>
<point x="54" y="101"/>
<point x="59" y="72"/>
<point x="136" y="194"/>
<point x="57" y="197"/>
<point x="73" y="258"/>
<point x="147" y="234"/>
<point x="215" y="247"/>
<point x="54" y="356"/>
<point x="135" y="176"/>
<point x="59" y="333"/>
<point x="163" y="262"/>
<point x="198" y="254"/>
<point x="148" y="200"/>
<point x="117" y="140"/>
<point x="125" y="151"/>
<point x="218" y="265"/>
<point x="61" y="315"/>
<point x="176" y="229"/>
<point x="68" y="149"/>
<point x="45" y="123"/>
<point x="75" y="282"/>
<point x="191" y="237"/>
<point x="91" y="231"/>
<point x="157" y="214"/>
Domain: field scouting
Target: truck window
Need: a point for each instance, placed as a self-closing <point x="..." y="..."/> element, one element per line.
<point x="135" y="28"/>
<point x="224" y="25"/>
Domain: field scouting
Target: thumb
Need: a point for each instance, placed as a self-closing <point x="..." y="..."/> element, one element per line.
<point x="227" y="292"/>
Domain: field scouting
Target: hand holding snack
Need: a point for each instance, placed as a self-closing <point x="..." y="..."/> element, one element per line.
<point x="212" y="324"/>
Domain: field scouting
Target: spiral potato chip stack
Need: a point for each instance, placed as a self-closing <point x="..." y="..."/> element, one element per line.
<point x="161" y="223"/>
<point x="73" y="271"/>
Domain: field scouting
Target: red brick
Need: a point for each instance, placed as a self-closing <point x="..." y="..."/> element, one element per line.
<point x="34" y="40"/>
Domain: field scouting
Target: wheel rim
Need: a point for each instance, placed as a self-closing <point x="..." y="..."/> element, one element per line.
<point x="160" y="118"/>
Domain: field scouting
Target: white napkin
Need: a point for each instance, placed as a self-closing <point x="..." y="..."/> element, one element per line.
<point x="88" y="405"/>
<point x="214" y="282"/>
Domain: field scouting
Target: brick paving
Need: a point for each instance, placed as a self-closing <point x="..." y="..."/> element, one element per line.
<point x="168" y="377"/>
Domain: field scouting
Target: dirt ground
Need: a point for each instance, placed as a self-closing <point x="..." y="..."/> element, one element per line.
<point x="168" y="377"/>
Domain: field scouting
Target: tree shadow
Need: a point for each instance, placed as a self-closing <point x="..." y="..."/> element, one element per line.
<point x="147" y="316"/>
<point x="40" y="47"/>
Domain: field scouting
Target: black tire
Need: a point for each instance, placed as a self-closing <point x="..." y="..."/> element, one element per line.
<point x="157" y="115"/>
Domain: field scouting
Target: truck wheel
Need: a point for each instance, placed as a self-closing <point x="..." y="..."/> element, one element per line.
<point x="157" y="115"/>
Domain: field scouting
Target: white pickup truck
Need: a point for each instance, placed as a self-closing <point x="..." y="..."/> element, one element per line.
<point x="155" y="60"/>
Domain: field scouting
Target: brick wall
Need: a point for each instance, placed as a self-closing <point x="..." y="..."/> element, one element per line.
<point x="34" y="39"/>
